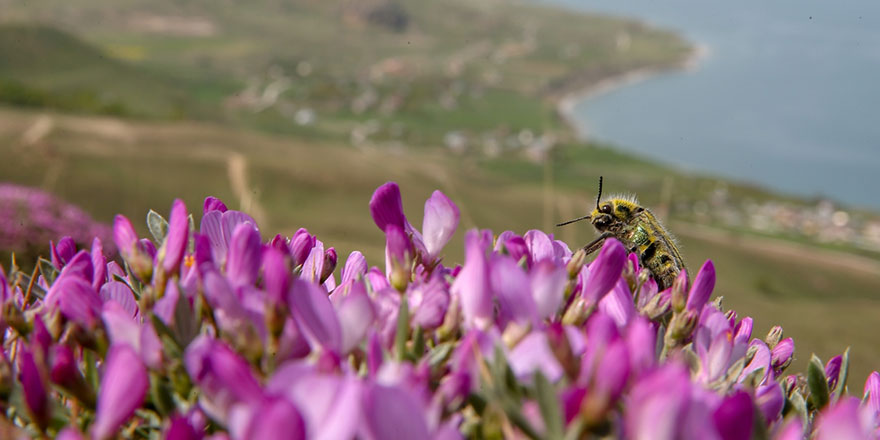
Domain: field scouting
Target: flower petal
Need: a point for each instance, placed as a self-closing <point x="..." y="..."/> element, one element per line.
<point x="704" y="283"/>
<point x="439" y="223"/>
<point x="123" y="388"/>
<point x="604" y="272"/>
<point x="313" y="311"/>
<point x="386" y="206"/>
<point x="472" y="284"/>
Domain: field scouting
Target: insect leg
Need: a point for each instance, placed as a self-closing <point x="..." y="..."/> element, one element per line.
<point x="594" y="245"/>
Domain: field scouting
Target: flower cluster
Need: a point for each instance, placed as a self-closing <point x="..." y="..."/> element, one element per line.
<point x="30" y="219"/>
<point x="210" y="332"/>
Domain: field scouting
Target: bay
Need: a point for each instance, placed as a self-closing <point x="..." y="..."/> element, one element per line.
<point x="786" y="96"/>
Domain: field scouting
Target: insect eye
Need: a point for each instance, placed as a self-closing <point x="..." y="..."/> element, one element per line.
<point x="606" y="209"/>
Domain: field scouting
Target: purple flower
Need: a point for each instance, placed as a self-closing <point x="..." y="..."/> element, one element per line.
<point x="175" y="242"/>
<point x="510" y="285"/>
<point x="658" y="403"/>
<point x="276" y="419"/>
<point x="213" y="204"/>
<point x="356" y="315"/>
<point x="770" y="400"/>
<point x="547" y="282"/>
<point x="76" y="299"/>
<point x="219" y="227"/>
<point x="472" y="284"/>
<point x="439" y="223"/>
<point x="832" y="370"/>
<point x="604" y="272"/>
<point x="62" y="252"/>
<point x="34" y="386"/>
<point x="124" y="236"/>
<point x="222" y="375"/>
<point x="329" y="266"/>
<point x="243" y="260"/>
<point x="733" y="418"/>
<point x="99" y="264"/>
<point x="301" y="245"/>
<point x="315" y="315"/>
<point x="540" y="246"/>
<point x="276" y="275"/>
<point x="782" y="353"/>
<point x="428" y="303"/>
<point x="355" y="267"/>
<point x="841" y="421"/>
<point x="124" y="385"/>
<point x="704" y="283"/>
<point x="872" y="393"/>
<point x="390" y="412"/>
<point x="386" y="207"/>
<point x="534" y="354"/>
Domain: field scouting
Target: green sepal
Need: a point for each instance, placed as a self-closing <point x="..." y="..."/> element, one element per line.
<point x="439" y="354"/>
<point x="798" y="404"/>
<point x="186" y="325"/>
<point x="47" y="269"/>
<point x="402" y="333"/>
<point x="160" y="394"/>
<point x="158" y="226"/>
<point x="548" y="403"/>
<point x="844" y="375"/>
<point x="818" y="384"/>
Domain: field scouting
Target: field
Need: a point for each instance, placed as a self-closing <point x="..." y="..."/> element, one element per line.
<point x="296" y="111"/>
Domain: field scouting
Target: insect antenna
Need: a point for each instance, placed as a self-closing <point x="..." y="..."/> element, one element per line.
<point x="586" y="217"/>
<point x="599" y="197"/>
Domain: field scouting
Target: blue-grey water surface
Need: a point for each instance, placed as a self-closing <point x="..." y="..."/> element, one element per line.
<point x="787" y="97"/>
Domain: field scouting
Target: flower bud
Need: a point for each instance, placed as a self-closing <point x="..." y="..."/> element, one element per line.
<point x="679" y="292"/>
<point x="301" y="245"/>
<point x="574" y="265"/>
<point x="773" y="336"/>
<point x="330" y="259"/>
<point x="680" y="327"/>
<point x="64" y="372"/>
<point x="657" y="306"/>
<point x="561" y="348"/>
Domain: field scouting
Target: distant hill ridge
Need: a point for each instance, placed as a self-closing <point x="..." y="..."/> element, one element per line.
<point x="42" y="66"/>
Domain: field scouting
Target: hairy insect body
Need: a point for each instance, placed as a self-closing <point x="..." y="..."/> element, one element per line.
<point x="641" y="233"/>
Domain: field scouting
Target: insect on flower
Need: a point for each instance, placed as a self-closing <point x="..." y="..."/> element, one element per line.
<point x="637" y="228"/>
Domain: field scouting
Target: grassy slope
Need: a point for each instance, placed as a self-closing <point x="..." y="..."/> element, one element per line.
<point x="328" y="193"/>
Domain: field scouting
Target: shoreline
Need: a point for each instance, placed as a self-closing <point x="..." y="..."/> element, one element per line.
<point x="566" y="104"/>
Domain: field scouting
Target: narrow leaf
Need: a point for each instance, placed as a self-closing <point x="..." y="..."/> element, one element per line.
<point x="818" y="384"/>
<point x="548" y="403"/>
<point x="402" y="329"/>
<point x="844" y="373"/>
<point x="47" y="270"/>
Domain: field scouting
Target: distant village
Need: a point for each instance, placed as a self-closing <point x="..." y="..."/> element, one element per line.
<point x="821" y="222"/>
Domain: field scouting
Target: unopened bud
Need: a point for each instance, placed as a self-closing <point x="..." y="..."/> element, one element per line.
<point x="681" y="327"/>
<point x="679" y="293"/>
<point x="578" y="312"/>
<point x="773" y="336"/>
<point x="657" y="306"/>
<point x="330" y="259"/>
<point x="451" y="321"/>
<point x="561" y="348"/>
<point x="629" y="274"/>
<point x="576" y="263"/>
<point x="64" y="372"/>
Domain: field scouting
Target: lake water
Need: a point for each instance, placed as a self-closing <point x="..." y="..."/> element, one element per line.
<point x="788" y="95"/>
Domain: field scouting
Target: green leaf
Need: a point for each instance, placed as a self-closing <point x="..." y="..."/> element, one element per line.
<point x="47" y="269"/>
<point x="818" y="384"/>
<point x="186" y="325"/>
<point x="158" y="226"/>
<point x="439" y="354"/>
<point x="418" y="348"/>
<point x="548" y="403"/>
<point x="844" y="375"/>
<point x="402" y="333"/>
<point x="191" y="244"/>
<point x="798" y="404"/>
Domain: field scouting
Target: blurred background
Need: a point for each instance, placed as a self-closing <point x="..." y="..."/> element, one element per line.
<point x="750" y="128"/>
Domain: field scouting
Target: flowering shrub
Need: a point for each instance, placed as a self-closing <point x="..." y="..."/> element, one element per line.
<point x="31" y="219"/>
<point x="209" y="332"/>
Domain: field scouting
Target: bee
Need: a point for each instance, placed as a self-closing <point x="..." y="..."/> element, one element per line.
<point x="639" y="231"/>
